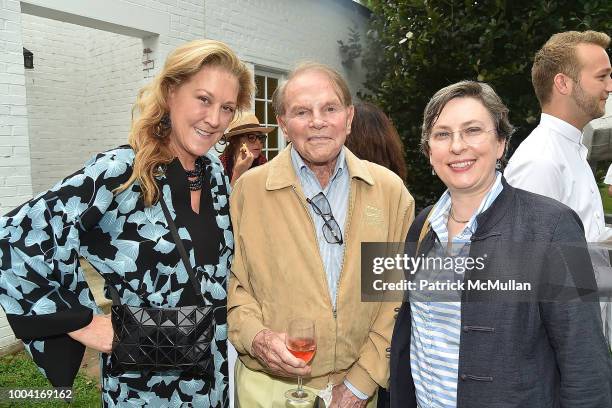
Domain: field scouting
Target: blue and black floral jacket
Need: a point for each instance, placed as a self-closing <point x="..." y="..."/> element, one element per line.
<point x="45" y="295"/>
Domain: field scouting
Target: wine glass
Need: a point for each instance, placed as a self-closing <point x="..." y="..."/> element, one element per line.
<point x="300" y="341"/>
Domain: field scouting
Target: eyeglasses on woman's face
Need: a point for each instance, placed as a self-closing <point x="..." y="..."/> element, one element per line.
<point x="473" y="135"/>
<point x="252" y="137"/>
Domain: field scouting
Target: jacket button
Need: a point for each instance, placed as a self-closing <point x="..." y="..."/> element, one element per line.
<point x="463" y="377"/>
<point x="388" y="349"/>
<point x="396" y="309"/>
<point x="466" y="329"/>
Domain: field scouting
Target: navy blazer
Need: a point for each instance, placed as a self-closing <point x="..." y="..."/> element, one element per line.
<point x="519" y="354"/>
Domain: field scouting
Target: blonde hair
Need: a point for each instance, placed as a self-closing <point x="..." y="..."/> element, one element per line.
<point x="339" y="84"/>
<point x="151" y="105"/>
<point x="558" y="55"/>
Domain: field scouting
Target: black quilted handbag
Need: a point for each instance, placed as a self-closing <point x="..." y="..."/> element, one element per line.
<point x="160" y="339"/>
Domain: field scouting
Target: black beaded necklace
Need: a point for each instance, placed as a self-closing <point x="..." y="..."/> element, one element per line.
<point x="195" y="177"/>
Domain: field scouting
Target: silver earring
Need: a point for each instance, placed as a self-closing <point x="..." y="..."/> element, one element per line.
<point x="498" y="164"/>
<point x="433" y="172"/>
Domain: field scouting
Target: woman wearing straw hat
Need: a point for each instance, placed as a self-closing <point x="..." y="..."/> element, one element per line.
<point x="245" y="140"/>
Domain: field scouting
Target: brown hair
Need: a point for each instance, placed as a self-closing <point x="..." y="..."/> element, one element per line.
<point x="558" y="55"/>
<point x="374" y="138"/>
<point x="232" y="145"/>
<point x="467" y="89"/>
<point x="151" y="105"/>
<point x="339" y="84"/>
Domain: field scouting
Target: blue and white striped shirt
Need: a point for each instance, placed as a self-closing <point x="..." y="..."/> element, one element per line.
<point x="436" y="326"/>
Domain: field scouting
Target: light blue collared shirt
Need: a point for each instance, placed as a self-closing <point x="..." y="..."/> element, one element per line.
<point x="337" y="193"/>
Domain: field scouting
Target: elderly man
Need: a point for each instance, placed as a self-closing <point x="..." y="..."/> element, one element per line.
<point x="299" y="222"/>
<point x="571" y="79"/>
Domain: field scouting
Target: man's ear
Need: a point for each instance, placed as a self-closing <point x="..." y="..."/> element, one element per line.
<point x="563" y="84"/>
<point x="283" y="125"/>
<point x="349" y="119"/>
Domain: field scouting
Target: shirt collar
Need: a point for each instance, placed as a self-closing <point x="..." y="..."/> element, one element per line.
<point x="441" y="210"/>
<point x="561" y="127"/>
<point x="283" y="174"/>
<point x="303" y="170"/>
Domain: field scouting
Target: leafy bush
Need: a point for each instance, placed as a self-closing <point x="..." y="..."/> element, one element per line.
<point x="416" y="47"/>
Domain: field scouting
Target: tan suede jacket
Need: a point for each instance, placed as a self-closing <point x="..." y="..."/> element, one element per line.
<point x="278" y="273"/>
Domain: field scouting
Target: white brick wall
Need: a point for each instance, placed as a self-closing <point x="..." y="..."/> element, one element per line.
<point x="55" y="91"/>
<point x="279" y="33"/>
<point x="79" y="94"/>
<point x="113" y="84"/>
<point x="14" y="153"/>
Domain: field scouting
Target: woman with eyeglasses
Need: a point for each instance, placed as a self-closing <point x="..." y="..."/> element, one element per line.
<point x="245" y="140"/>
<point x="484" y="348"/>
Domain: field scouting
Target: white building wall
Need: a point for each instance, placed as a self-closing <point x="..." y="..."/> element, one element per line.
<point x="55" y="90"/>
<point x="278" y="34"/>
<point x="15" y="185"/>
<point x="79" y="94"/>
<point x="113" y="81"/>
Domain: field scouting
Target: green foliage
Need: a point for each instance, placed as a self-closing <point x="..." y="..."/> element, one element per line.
<point x="605" y="199"/>
<point x="416" y="47"/>
<point x="17" y="371"/>
<point x="351" y="49"/>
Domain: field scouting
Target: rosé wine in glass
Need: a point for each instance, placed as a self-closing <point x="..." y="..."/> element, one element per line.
<point x="300" y="342"/>
<point x="302" y="347"/>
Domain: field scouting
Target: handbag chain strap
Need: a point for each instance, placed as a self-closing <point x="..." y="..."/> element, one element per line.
<point x="179" y="244"/>
<point x="181" y="249"/>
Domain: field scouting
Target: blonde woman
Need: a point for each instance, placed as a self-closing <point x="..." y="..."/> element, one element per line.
<point x="117" y="212"/>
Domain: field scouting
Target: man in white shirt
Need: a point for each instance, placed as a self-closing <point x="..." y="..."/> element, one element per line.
<point x="571" y="79"/>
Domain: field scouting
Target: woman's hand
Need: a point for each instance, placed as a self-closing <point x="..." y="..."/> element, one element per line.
<point x="97" y="335"/>
<point x="242" y="162"/>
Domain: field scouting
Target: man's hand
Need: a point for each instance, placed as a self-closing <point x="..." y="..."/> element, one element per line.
<point x="342" y="397"/>
<point x="269" y="348"/>
<point x="97" y="335"/>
